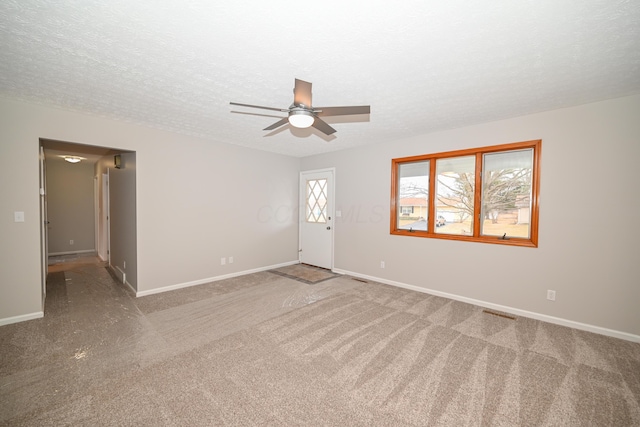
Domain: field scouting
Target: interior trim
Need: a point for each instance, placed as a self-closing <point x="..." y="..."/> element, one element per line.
<point x="21" y="318"/>
<point x="524" y="313"/>
<point x="212" y="279"/>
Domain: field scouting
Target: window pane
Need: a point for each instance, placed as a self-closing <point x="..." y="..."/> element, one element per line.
<point x="506" y="194"/>
<point x="316" y="200"/>
<point x="455" y="194"/>
<point x="480" y="194"/>
<point x="413" y="196"/>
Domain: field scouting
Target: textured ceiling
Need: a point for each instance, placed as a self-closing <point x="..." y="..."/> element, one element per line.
<point x="423" y="66"/>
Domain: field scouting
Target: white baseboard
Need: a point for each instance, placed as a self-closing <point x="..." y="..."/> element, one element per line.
<point x="131" y="288"/>
<point x="117" y="271"/>
<point x="122" y="277"/>
<point x="542" y="317"/>
<point x="86" y="251"/>
<point x="211" y="279"/>
<point x="121" y="274"/>
<point x="21" y="318"/>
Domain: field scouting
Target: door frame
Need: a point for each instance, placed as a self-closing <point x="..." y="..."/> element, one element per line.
<point x="103" y="249"/>
<point x="44" y="225"/>
<point x="330" y="211"/>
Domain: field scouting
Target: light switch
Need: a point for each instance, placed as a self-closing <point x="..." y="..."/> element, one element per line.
<point x="18" y="216"/>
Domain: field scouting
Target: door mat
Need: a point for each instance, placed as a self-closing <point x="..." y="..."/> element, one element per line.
<point x="305" y="273"/>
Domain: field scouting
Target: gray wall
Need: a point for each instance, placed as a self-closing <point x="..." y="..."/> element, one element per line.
<point x="589" y="210"/>
<point x="122" y="217"/>
<point x="70" y="199"/>
<point x="188" y="192"/>
<point x="196" y="201"/>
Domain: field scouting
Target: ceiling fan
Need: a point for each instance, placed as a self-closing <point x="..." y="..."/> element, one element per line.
<point x="302" y="114"/>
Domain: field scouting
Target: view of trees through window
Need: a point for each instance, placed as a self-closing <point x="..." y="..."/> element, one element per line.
<point x="506" y="193"/>
<point x="485" y="194"/>
<point x="455" y="194"/>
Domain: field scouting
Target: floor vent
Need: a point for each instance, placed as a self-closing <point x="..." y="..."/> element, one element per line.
<point x="495" y="313"/>
<point x="359" y="280"/>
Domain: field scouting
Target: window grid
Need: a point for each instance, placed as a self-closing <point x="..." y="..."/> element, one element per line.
<point x="316" y="204"/>
<point x="437" y="224"/>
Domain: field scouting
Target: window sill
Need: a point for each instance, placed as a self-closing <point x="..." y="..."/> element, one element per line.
<point x="509" y="241"/>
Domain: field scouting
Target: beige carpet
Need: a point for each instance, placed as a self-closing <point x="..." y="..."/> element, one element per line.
<point x="266" y="350"/>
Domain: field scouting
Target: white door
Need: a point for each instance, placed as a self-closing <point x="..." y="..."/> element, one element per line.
<point x="44" y="227"/>
<point x="316" y="218"/>
<point x="107" y="210"/>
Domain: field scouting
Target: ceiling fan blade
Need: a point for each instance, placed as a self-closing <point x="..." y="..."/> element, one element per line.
<point x="322" y="126"/>
<point x="284" y="110"/>
<point x="277" y="124"/>
<point x="255" y="114"/>
<point x="342" y="111"/>
<point x="302" y="93"/>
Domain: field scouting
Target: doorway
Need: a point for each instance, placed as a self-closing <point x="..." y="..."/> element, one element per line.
<point x="102" y="237"/>
<point x="317" y="218"/>
<point x="44" y="242"/>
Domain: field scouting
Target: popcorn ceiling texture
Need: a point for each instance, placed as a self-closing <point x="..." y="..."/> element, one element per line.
<point x="422" y="66"/>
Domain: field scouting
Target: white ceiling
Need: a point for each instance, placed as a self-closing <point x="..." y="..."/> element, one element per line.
<point x="422" y="65"/>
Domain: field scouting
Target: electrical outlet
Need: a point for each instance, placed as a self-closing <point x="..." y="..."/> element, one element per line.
<point x="223" y="261"/>
<point x="71" y="242"/>
<point x="551" y="295"/>
<point x="230" y="260"/>
<point x="381" y="264"/>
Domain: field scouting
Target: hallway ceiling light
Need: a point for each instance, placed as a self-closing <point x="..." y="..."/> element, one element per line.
<point x="72" y="159"/>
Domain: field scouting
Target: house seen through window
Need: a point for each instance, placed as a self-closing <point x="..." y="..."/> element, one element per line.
<point x="487" y="194"/>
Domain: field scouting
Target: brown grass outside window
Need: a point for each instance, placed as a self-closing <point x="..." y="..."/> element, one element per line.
<point x="487" y="194"/>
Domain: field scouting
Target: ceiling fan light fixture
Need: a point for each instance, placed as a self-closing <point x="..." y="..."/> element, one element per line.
<point x="302" y="114"/>
<point x="301" y="118"/>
